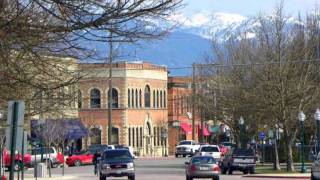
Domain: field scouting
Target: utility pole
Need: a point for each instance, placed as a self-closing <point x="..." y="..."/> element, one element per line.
<point x="193" y="99"/>
<point x="110" y="88"/>
<point x="201" y="109"/>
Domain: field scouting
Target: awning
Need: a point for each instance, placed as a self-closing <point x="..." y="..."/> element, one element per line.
<point x="186" y="127"/>
<point x="74" y="129"/>
<point x="205" y="131"/>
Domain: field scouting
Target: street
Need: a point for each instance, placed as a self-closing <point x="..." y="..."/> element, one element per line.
<point x="146" y="169"/>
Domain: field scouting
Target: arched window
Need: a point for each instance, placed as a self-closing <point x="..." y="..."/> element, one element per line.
<point x="137" y="103"/>
<point x="147" y="96"/>
<point x="140" y="98"/>
<point x="132" y="98"/>
<point x="137" y="137"/>
<point x="79" y="99"/>
<point x="157" y="99"/>
<point x="114" y="135"/>
<point x="129" y="98"/>
<point x="95" y="136"/>
<point x="154" y="136"/>
<point x="154" y="98"/>
<point x="141" y="137"/>
<point x="133" y="138"/>
<point x="161" y="99"/>
<point x="114" y="99"/>
<point x="129" y="136"/>
<point x="95" y="99"/>
<point x="164" y="99"/>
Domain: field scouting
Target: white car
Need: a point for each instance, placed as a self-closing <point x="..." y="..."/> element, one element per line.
<point x="210" y="150"/>
<point x="186" y="147"/>
<point x="315" y="168"/>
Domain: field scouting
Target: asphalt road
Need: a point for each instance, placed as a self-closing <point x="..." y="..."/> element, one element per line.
<point x="146" y="169"/>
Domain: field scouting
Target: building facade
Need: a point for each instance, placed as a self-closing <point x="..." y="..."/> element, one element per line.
<point x="180" y="112"/>
<point x="139" y="105"/>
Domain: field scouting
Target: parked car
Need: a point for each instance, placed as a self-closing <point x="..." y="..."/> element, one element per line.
<point x="100" y="148"/>
<point x="26" y="160"/>
<point x="186" y="147"/>
<point x="81" y="158"/>
<point x="116" y="163"/>
<point x="315" y="168"/>
<point x="210" y="150"/>
<point x="239" y="159"/>
<point x="202" y="167"/>
<point x="49" y="154"/>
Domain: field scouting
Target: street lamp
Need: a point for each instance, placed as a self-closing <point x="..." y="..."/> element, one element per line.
<point x="241" y="122"/>
<point x="317" y="118"/>
<point x="1" y="147"/>
<point x="302" y="117"/>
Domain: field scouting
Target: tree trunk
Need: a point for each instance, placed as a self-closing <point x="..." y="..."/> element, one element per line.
<point x="290" y="165"/>
<point x="276" y="165"/>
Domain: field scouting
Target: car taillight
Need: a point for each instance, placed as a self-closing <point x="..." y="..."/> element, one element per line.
<point x="193" y="168"/>
<point x="216" y="168"/>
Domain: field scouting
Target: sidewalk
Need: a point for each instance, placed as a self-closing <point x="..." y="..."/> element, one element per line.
<point x="287" y="176"/>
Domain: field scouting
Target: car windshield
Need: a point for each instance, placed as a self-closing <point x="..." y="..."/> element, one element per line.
<point x="203" y="160"/>
<point x="243" y="152"/>
<point x="185" y="143"/>
<point x="117" y="155"/>
<point x="209" y="149"/>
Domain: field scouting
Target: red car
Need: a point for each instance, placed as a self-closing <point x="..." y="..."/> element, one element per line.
<point x="18" y="159"/>
<point x="80" y="159"/>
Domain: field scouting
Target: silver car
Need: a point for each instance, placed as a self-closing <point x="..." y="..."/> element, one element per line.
<point x="202" y="167"/>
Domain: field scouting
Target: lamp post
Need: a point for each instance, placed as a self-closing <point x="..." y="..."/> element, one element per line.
<point x="241" y="122"/>
<point x="1" y="147"/>
<point x="302" y="117"/>
<point x="317" y="118"/>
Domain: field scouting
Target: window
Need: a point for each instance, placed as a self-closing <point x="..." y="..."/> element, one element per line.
<point x="164" y="99"/>
<point x="129" y="98"/>
<point x="95" y="100"/>
<point x="154" y="136"/>
<point x="157" y="99"/>
<point x="140" y="98"/>
<point x="132" y="98"/>
<point x="79" y="99"/>
<point x="154" y="98"/>
<point x="137" y="103"/>
<point x="114" y="135"/>
<point x="95" y="134"/>
<point x="158" y="136"/>
<point x="161" y="99"/>
<point x="133" y="138"/>
<point x="114" y="99"/>
<point x="147" y="96"/>
<point x="137" y="137"/>
<point x="141" y="137"/>
<point x="129" y="136"/>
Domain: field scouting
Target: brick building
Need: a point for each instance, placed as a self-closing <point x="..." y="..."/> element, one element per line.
<point x="180" y="112"/>
<point x="139" y="105"/>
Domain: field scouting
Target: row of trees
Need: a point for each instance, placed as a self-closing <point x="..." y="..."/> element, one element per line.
<point x="267" y="79"/>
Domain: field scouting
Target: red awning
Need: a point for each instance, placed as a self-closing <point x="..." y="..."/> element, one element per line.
<point x="186" y="127"/>
<point x="205" y="131"/>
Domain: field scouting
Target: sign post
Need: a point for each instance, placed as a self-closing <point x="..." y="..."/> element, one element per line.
<point x="262" y="137"/>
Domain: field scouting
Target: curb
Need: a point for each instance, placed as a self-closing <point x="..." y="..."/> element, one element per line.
<point x="278" y="177"/>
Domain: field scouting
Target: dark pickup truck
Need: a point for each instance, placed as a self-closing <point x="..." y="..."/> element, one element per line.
<point x="239" y="160"/>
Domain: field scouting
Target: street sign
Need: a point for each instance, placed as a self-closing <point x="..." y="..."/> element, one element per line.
<point x="20" y="113"/>
<point x="270" y="133"/>
<point x="261" y="135"/>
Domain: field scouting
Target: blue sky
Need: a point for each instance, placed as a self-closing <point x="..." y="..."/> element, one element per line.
<point x="247" y="7"/>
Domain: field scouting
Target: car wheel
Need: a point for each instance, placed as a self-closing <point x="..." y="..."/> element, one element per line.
<point x="223" y="169"/>
<point x="184" y="155"/>
<point x="131" y="177"/>
<point x="17" y="166"/>
<point x="77" y="163"/>
<point x="102" y="177"/>
<point x="245" y="171"/>
<point x="312" y="177"/>
<point x="252" y="170"/>
<point x="176" y="155"/>
<point x="230" y="171"/>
